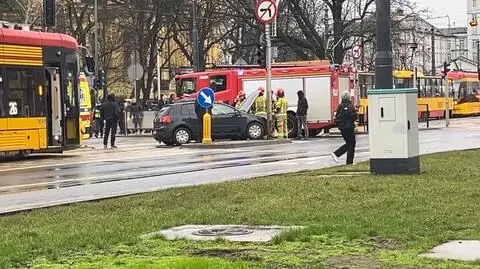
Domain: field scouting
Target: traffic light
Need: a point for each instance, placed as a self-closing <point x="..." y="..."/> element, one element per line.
<point x="49" y="12"/>
<point x="445" y="68"/>
<point x="261" y="56"/>
<point x="101" y="78"/>
<point x="89" y="64"/>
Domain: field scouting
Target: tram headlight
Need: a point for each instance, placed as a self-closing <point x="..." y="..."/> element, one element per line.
<point x="56" y="137"/>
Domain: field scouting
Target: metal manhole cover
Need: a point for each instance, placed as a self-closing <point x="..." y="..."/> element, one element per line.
<point x="223" y="232"/>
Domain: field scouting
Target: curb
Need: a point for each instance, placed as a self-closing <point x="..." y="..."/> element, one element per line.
<point x="242" y="144"/>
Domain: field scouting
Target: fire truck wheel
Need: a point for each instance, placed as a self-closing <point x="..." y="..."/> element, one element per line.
<point x="314" y="132"/>
<point x="292" y="125"/>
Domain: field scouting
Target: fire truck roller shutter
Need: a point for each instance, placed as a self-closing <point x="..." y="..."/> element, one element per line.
<point x="249" y="86"/>
<point x="290" y="86"/>
<point x="344" y="86"/>
<point x="318" y="93"/>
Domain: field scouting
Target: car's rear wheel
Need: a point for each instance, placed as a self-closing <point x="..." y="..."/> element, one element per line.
<point x="255" y="131"/>
<point x="182" y="136"/>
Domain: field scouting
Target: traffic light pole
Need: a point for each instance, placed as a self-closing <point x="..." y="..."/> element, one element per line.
<point x="95" y="29"/>
<point x="268" y="52"/>
<point x="447" y="95"/>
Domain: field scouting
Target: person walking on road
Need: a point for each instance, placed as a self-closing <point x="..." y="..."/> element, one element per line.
<point x="200" y="111"/>
<point x="281" y="108"/>
<point x="302" y="108"/>
<point x="98" y="120"/>
<point x="111" y="112"/>
<point x="345" y="117"/>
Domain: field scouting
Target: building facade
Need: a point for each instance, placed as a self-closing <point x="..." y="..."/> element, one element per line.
<point x="473" y="14"/>
<point x="416" y="43"/>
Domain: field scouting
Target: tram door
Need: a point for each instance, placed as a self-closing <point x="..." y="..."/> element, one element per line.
<point x="54" y="107"/>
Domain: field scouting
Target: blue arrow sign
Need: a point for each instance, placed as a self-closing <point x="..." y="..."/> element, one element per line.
<point x="206" y="97"/>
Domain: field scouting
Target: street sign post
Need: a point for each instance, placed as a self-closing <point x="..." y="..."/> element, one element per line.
<point x="205" y="99"/>
<point x="135" y="72"/>
<point x="266" y="12"/>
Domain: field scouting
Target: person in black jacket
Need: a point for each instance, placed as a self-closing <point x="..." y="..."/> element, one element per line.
<point x="345" y="117"/>
<point x="302" y="108"/>
<point x="111" y="113"/>
<point x="200" y="111"/>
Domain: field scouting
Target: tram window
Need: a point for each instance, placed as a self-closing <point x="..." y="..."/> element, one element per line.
<point x="20" y="92"/>
<point x="20" y="97"/>
<point x="71" y="81"/>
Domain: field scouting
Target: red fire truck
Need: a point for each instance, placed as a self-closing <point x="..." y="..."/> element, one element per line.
<point x="322" y="85"/>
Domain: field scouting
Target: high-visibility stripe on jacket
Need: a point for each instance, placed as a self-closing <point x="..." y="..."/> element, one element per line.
<point x="261" y="105"/>
<point x="97" y="114"/>
<point x="282" y="106"/>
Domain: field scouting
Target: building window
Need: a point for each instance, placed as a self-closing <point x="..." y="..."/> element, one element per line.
<point x="474" y="3"/>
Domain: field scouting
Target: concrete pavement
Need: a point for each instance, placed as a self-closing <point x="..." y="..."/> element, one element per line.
<point x="140" y="166"/>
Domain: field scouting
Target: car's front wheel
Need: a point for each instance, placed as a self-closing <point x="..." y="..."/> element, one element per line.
<point x="255" y="131"/>
<point x="182" y="136"/>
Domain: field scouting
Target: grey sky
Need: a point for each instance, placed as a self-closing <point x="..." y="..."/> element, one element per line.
<point x="457" y="10"/>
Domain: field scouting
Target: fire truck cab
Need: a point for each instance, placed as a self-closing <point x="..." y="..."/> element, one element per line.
<point x="322" y="86"/>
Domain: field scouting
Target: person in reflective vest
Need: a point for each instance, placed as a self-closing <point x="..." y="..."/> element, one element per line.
<point x="240" y="100"/>
<point x="261" y="103"/>
<point x="281" y="107"/>
<point x="98" y="119"/>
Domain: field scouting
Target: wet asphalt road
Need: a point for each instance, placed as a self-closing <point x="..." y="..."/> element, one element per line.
<point x="140" y="166"/>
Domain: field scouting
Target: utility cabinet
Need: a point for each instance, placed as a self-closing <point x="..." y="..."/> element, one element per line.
<point x="393" y="131"/>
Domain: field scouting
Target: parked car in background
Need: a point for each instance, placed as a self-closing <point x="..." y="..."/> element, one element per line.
<point x="177" y="123"/>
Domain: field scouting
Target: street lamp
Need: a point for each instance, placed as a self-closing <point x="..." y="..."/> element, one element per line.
<point x="95" y="26"/>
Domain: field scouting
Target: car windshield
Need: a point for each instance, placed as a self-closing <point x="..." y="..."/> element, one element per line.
<point x="249" y="101"/>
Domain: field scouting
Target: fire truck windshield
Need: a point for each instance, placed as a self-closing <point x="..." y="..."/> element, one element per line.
<point x="186" y="86"/>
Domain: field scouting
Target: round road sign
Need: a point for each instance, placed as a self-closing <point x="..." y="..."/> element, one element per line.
<point x="356" y="52"/>
<point x="135" y="71"/>
<point x="266" y="11"/>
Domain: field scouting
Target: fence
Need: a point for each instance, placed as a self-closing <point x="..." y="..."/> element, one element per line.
<point x="144" y="123"/>
<point x="423" y="116"/>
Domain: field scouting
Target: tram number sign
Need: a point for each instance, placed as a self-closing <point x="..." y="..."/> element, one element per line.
<point x="13" y="108"/>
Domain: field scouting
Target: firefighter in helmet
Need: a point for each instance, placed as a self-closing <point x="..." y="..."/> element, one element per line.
<point x="281" y="107"/>
<point x="240" y="99"/>
<point x="261" y="103"/>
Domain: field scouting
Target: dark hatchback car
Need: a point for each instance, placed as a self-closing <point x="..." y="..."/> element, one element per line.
<point x="177" y="124"/>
